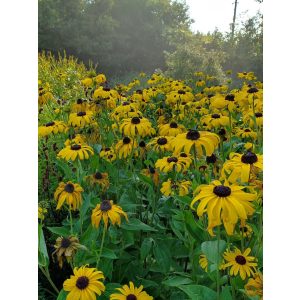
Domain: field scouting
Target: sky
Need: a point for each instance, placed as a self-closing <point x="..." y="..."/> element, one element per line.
<point x="209" y="14"/>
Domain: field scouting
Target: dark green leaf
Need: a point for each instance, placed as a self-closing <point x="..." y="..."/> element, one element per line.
<point x="198" y="292"/>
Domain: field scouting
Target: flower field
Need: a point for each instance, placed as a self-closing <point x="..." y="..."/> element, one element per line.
<point x="149" y="189"/>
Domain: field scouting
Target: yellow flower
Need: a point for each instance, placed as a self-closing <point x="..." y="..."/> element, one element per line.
<point x="160" y="143"/>
<point x="136" y="127"/>
<point x="215" y="120"/>
<point x="80" y="119"/>
<point x="223" y="203"/>
<point x="171" y="163"/>
<point x="100" y="78"/>
<point x="125" y="147"/>
<point x="203" y="262"/>
<point x="130" y="293"/>
<point x="41" y="213"/>
<point x="241" y="166"/>
<point x="171" y="129"/>
<point x="152" y="173"/>
<point x="82" y="151"/>
<point x="52" y="127"/>
<point x="107" y="210"/>
<point x="240" y="263"/>
<point x="85" y="284"/>
<point x="254" y="286"/>
<point x="108" y="154"/>
<point x="198" y="139"/>
<point x="246" y="133"/>
<point x="170" y="187"/>
<point x="70" y="193"/>
<point x="87" y="82"/>
<point x="99" y="179"/>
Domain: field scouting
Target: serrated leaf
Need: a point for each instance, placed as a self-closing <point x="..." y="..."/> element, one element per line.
<point x="137" y="225"/>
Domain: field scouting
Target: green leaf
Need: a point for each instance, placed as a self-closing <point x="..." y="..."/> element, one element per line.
<point x="162" y="255"/>
<point x="108" y="253"/>
<point x="177" y="280"/>
<point x="198" y="292"/>
<point x="63" y="231"/>
<point x="226" y="293"/>
<point x="43" y="257"/>
<point x="62" y="295"/>
<point x="192" y="226"/>
<point x="146" y="247"/>
<point x="137" y="225"/>
<point x="210" y="249"/>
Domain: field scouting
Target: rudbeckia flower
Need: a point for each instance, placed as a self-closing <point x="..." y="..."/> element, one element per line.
<point x="246" y="133"/>
<point x="223" y="203"/>
<point x="108" y="154"/>
<point x="82" y="151"/>
<point x="80" y="119"/>
<point x="160" y="143"/>
<point x="136" y="127"/>
<point x="101" y="78"/>
<point x="203" y="262"/>
<point x="152" y="173"/>
<point x="75" y="139"/>
<point x="130" y="293"/>
<point x="240" y="263"/>
<point x="171" y="163"/>
<point x="199" y="139"/>
<point x="125" y="147"/>
<point x="180" y="187"/>
<point x="99" y="178"/>
<point x="215" y="120"/>
<point x="87" y="82"/>
<point x="171" y="129"/>
<point x="85" y="284"/>
<point x="52" y="127"/>
<point x="70" y="193"/>
<point x="108" y="211"/>
<point x="241" y="166"/>
<point x="254" y="286"/>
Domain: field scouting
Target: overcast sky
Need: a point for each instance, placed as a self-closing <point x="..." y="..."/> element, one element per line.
<point x="209" y="14"/>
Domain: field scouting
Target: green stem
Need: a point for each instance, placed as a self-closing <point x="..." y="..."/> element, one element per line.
<point x="71" y="220"/>
<point x="47" y="275"/>
<point x="218" y="263"/>
<point x="232" y="288"/>
<point x="101" y="247"/>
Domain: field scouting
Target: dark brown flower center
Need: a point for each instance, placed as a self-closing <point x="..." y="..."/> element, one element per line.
<point x="244" y="229"/>
<point x="69" y="188"/>
<point x="98" y="175"/>
<point x="106" y="89"/>
<point x="173" y="125"/>
<point x="79" y="101"/>
<point x="211" y="159"/>
<point x="139" y="92"/>
<point x="215" y="116"/>
<point x="183" y="154"/>
<point x="107" y="149"/>
<point x="81" y="113"/>
<point x="135" y="120"/>
<point x="162" y="141"/>
<point x="229" y="97"/>
<point x="75" y="147"/>
<point x="247" y="130"/>
<point x="181" y="92"/>
<point x="241" y="260"/>
<point x="82" y="282"/>
<point x="125" y="103"/>
<point x="222" y="131"/>
<point x="65" y="243"/>
<point x="105" y="205"/>
<point x="258" y="115"/>
<point x="151" y="170"/>
<point x="222" y="190"/>
<point x="131" y="297"/>
<point x="193" y="135"/>
<point x="142" y="144"/>
<point x="172" y="159"/>
<point x="126" y="140"/>
<point x="252" y="90"/>
<point x="249" y="158"/>
<point x="49" y="124"/>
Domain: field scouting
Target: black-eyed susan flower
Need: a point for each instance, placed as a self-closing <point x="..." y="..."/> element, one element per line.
<point x="87" y="82"/>
<point x="70" y="193"/>
<point x="100" y="78"/>
<point x="223" y="203"/>
<point x="171" y="187"/>
<point x="108" y="211"/>
<point x="240" y="263"/>
<point x="52" y="127"/>
<point x="245" y="230"/>
<point x="130" y="293"/>
<point x="108" y="154"/>
<point x="66" y="248"/>
<point x="136" y="127"/>
<point x="152" y="173"/>
<point x="75" y="139"/>
<point x="160" y="143"/>
<point x="198" y="139"/>
<point x="81" y="118"/>
<point x="203" y="262"/>
<point x="100" y="179"/>
<point x="173" y="163"/>
<point x="246" y="133"/>
<point x="254" y="286"/>
<point x="241" y="166"/>
<point x="85" y="284"/>
<point x="125" y="147"/>
<point x="81" y="151"/>
<point x="171" y="129"/>
<point x="215" y="120"/>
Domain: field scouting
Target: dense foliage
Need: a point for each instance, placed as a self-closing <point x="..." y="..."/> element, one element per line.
<point x="156" y="182"/>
